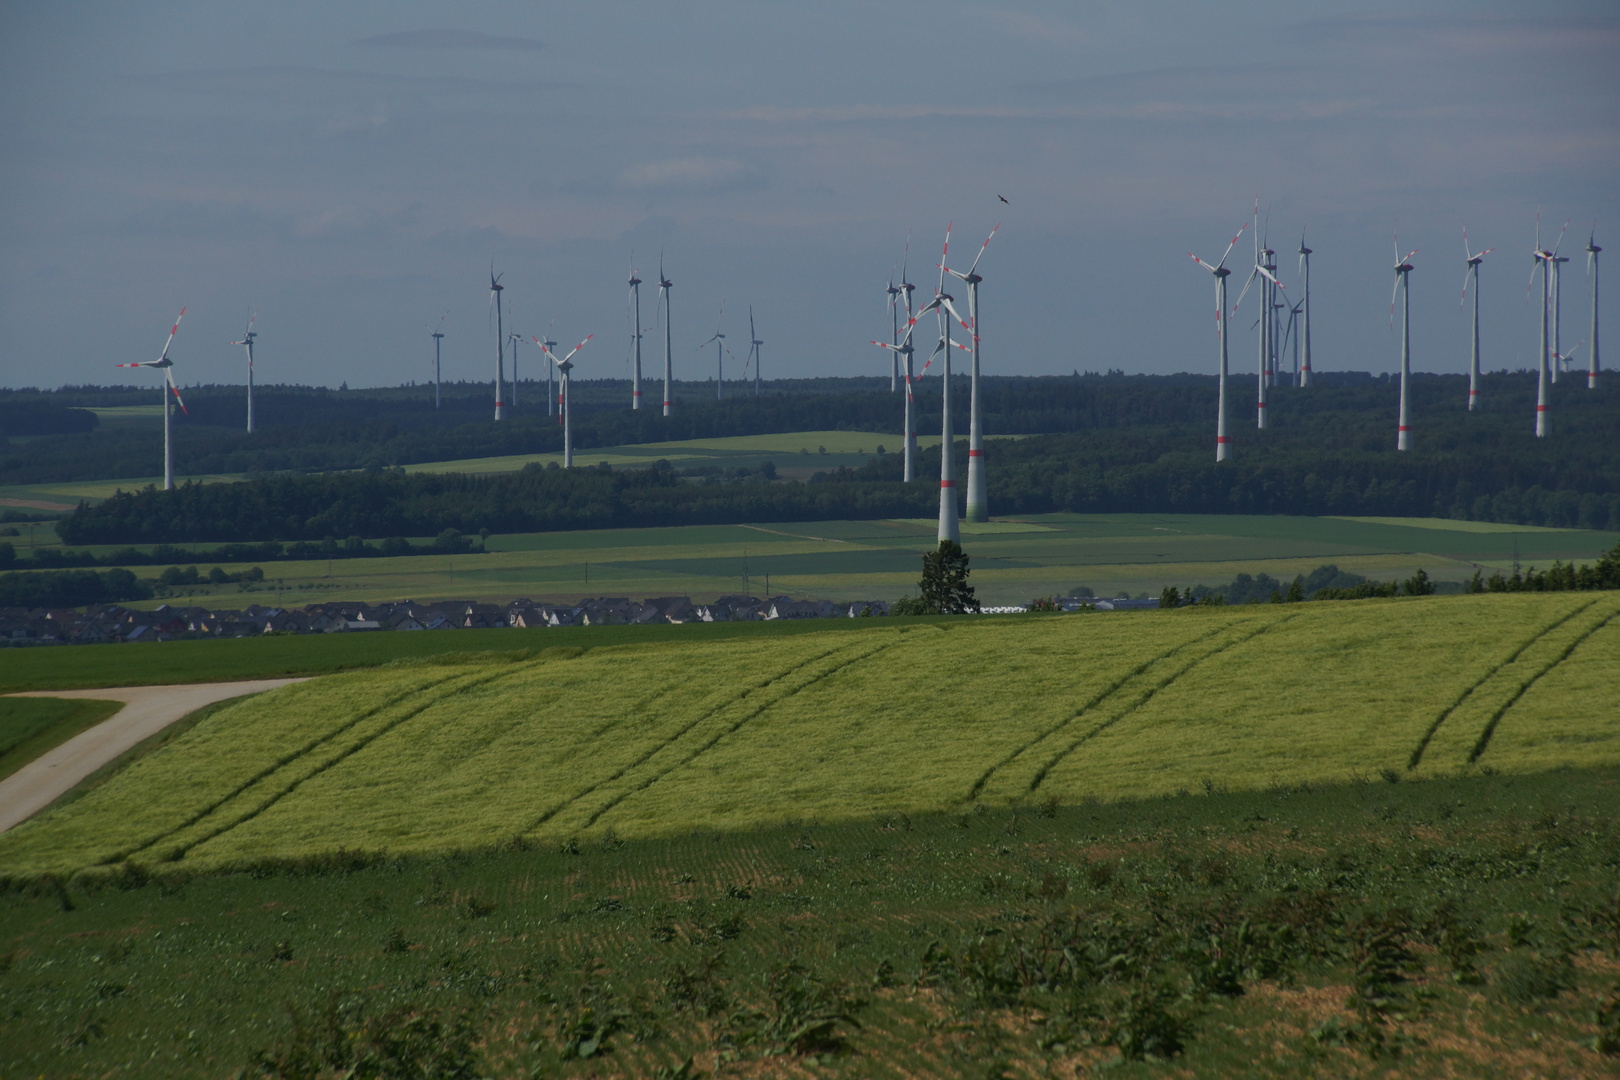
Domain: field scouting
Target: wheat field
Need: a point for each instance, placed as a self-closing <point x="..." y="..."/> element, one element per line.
<point x="446" y="754"/>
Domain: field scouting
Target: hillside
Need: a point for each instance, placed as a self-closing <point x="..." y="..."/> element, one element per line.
<point x="466" y="753"/>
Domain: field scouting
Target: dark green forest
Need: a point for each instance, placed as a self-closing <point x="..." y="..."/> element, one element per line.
<point x="1109" y="444"/>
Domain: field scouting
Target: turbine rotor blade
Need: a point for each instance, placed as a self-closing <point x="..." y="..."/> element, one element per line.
<point x="175" y="329"/>
<point x="578" y="347"/>
<point x="980" y="255"/>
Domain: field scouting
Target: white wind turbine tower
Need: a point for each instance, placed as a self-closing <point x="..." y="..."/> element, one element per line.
<point x="553" y="393"/>
<point x="949" y="526"/>
<point x="753" y="349"/>
<point x="978" y="505"/>
<point x="1260" y="271"/>
<point x="1403" y="268"/>
<point x="902" y="350"/>
<point x="247" y="342"/>
<point x="719" y="340"/>
<point x="635" y="338"/>
<point x="1305" y="317"/>
<point x="1593" y="364"/>
<point x="564" y="366"/>
<point x="1558" y="262"/>
<point x="437" y="337"/>
<point x="1542" y="259"/>
<point x="664" y="285"/>
<point x="1472" y="274"/>
<point x="1291" y="334"/>
<point x="515" y="338"/>
<point x="164" y="364"/>
<point x="1221" y="273"/>
<point x="894" y="292"/>
<point x="495" y="289"/>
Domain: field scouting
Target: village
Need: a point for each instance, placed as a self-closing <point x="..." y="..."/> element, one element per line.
<point x="112" y="623"/>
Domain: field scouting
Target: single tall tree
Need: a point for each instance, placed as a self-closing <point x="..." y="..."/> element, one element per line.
<point x="944" y="586"/>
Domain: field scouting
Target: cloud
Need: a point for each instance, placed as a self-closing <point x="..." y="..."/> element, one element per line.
<point x="690" y="174"/>
<point x="448" y="39"/>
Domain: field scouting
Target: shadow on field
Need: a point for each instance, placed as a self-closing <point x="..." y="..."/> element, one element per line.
<point x="1425" y="927"/>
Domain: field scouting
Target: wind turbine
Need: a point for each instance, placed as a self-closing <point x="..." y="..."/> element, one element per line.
<point x="1305" y="318"/>
<point x="437" y="337"/>
<point x="1260" y="271"/>
<point x="1542" y="259"/>
<point x="1558" y="262"/>
<point x="166" y="365"/>
<point x="515" y="338"/>
<point x="553" y="394"/>
<point x="495" y="289"/>
<point x="664" y="285"/>
<point x="978" y="507"/>
<point x="949" y="527"/>
<point x="565" y="365"/>
<point x="1472" y="273"/>
<point x="719" y="340"/>
<point x="1593" y="364"/>
<point x="635" y="337"/>
<point x="1403" y="267"/>
<point x="895" y="292"/>
<point x="753" y="346"/>
<point x="247" y="341"/>
<point x="902" y="349"/>
<point x="1221" y="273"/>
<point x="1290" y="335"/>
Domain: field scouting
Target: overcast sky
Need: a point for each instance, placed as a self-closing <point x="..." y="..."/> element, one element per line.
<point x="351" y="169"/>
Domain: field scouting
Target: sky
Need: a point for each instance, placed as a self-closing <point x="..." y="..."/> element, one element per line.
<point x="351" y="170"/>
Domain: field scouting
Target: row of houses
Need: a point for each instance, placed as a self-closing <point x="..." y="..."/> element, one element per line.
<point x="112" y="623"/>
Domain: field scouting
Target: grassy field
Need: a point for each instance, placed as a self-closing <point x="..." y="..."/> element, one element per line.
<point x="1363" y="930"/>
<point x="796" y="454"/>
<point x="1012" y="560"/>
<point x="31" y="726"/>
<point x="465" y="752"/>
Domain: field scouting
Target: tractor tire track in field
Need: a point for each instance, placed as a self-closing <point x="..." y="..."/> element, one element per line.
<point x="1445" y="714"/>
<point x="700" y="751"/>
<point x="1148" y="695"/>
<point x="1096" y="699"/>
<point x="644" y="758"/>
<point x="281" y="762"/>
<point x="1490" y="725"/>
<point x="179" y="851"/>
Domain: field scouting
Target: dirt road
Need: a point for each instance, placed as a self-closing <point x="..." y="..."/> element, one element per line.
<point x="147" y="710"/>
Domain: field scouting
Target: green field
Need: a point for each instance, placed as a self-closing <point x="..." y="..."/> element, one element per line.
<point x="31" y="726"/>
<point x="1454" y="927"/>
<point x="667" y="737"/>
<point x="861" y="560"/>
<point x="796" y="454"/>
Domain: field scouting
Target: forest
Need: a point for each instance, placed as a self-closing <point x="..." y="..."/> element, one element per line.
<point x="1095" y="444"/>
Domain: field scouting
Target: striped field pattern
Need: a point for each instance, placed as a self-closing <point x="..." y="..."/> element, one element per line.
<point x="466" y="753"/>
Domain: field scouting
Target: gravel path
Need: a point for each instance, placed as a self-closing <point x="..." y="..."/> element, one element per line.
<point x="147" y="710"/>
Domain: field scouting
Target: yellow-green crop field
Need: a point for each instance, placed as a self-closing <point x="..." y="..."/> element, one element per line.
<point x="662" y="738"/>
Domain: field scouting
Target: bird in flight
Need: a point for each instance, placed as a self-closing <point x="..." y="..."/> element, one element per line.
<point x="1003" y="198"/>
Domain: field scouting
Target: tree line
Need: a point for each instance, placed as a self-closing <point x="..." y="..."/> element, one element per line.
<point x="1143" y="445"/>
<point x="302" y="429"/>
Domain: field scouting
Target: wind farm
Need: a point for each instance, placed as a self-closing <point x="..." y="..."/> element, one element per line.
<point x="945" y="710"/>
